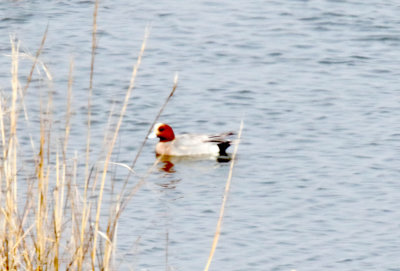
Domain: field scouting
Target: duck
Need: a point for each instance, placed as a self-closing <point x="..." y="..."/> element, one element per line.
<point x="189" y="144"/>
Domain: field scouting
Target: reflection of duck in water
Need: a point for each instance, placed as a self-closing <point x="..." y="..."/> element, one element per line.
<point x="168" y="166"/>
<point x="168" y="162"/>
<point x="189" y="144"/>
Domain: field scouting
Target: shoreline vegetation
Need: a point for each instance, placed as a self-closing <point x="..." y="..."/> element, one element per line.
<point x="53" y="219"/>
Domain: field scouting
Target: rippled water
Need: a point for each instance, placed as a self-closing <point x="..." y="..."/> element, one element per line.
<point x="316" y="184"/>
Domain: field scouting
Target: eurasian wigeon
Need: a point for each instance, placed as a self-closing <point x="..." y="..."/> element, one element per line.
<point x="189" y="144"/>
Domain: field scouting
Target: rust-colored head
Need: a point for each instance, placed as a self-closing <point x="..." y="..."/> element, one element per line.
<point x="164" y="132"/>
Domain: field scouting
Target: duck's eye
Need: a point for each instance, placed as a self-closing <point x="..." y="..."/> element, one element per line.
<point x="161" y="129"/>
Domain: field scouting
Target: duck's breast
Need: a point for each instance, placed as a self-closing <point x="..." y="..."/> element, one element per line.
<point x="164" y="148"/>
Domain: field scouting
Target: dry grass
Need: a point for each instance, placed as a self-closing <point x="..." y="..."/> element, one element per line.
<point x="49" y="221"/>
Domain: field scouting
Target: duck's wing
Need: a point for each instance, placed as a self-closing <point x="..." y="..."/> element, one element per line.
<point x="219" y="138"/>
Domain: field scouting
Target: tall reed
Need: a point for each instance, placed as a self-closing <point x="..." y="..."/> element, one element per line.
<point x="224" y="200"/>
<point x="48" y="218"/>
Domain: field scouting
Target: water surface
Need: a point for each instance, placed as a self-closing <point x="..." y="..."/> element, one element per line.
<point x="316" y="184"/>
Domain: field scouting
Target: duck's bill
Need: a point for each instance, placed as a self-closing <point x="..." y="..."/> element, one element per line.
<point x="152" y="135"/>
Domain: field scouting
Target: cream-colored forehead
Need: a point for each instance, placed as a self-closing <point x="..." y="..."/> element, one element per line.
<point x="158" y="126"/>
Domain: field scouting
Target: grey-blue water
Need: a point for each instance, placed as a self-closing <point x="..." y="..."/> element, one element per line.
<point x="316" y="184"/>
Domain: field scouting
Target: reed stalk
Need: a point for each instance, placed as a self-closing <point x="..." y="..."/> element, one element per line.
<point x="131" y="168"/>
<point x="128" y="94"/>
<point x="224" y="200"/>
<point x="89" y="103"/>
<point x="126" y="195"/>
<point x="38" y="52"/>
<point x="9" y="226"/>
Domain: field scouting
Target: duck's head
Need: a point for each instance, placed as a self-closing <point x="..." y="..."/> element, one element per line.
<point x="164" y="132"/>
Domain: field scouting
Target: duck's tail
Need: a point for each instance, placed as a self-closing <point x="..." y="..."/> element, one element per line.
<point x="223" y="146"/>
<point x="222" y="142"/>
